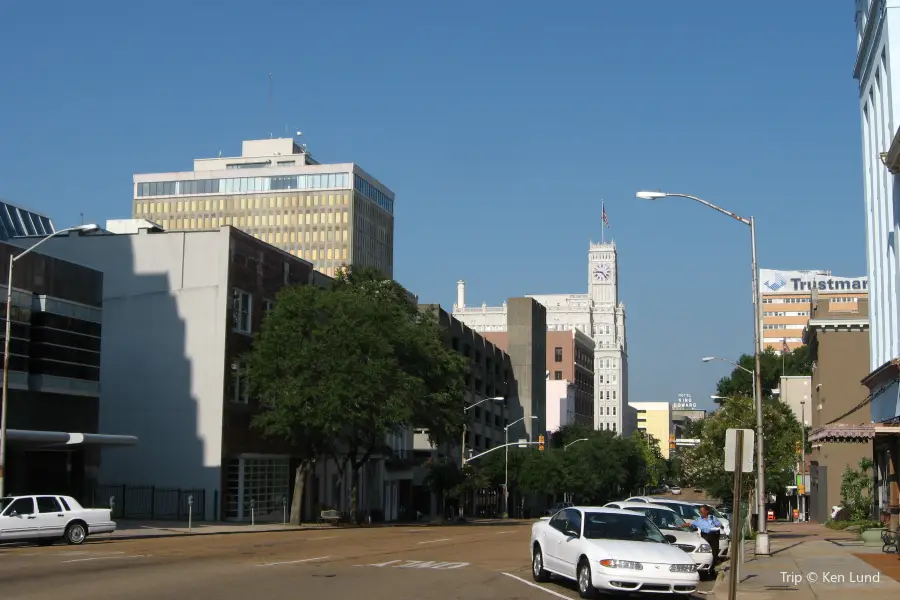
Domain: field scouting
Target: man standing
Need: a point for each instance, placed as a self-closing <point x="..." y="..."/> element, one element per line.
<point x="710" y="529"/>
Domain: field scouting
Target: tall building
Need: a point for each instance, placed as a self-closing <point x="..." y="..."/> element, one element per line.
<point x="328" y="214"/>
<point x="787" y="297"/>
<point x="655" y="419"/>
<point x="597" y="314"/>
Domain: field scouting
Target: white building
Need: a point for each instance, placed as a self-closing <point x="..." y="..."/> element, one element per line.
<point x="560" y="404"/>
<point x="598" y="314"/>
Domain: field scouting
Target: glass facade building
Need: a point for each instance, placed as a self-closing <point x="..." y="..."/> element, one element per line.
<point x="17" y="222"/>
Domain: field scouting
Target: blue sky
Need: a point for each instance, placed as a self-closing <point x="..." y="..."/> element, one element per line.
<point x="500" y="125"/>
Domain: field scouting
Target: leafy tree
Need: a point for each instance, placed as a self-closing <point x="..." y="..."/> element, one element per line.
<point x="740" y="383"/>
<point x="339" y="369"/>
<point x="704" y="464"/>
<point x="444" y="479"/>
<point x="655" y="464"/>
<point x="858" y="490"/>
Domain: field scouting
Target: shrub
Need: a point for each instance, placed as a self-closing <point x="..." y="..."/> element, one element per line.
<point x="857" y="490"/>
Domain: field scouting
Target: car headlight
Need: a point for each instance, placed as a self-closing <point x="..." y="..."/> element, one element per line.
<point x="684" y="568"/>
<point x="704" y="549"/>
<point x="612" y="563"/>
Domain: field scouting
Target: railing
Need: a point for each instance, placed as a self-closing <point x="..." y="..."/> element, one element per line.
<point x="150" y="502"/>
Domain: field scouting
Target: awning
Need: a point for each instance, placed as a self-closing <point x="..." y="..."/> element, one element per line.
<point x="68" y="439"/>
<point x="843" y="432"/>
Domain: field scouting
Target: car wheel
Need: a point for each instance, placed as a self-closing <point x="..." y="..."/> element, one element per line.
<point x="537" y="566"/>
<point x="586" y="587"/>
<point x="76" y="533"/>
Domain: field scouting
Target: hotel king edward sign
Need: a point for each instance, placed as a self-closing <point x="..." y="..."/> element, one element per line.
<point x="684" y="402"/>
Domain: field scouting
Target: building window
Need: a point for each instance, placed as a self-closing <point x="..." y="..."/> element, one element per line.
<point x="239" y="393"/>
<point x="267" y="306"/>
<point x="557" y="375"/>
<point x="557" y="354"/>
<point x="601" y="379"/>
<point x="257" y="484"/>
<point x="614" y="426"/>
<point x="241" y="306"/>
<point x="614" y="394"/>
<point x="614" y="411"/>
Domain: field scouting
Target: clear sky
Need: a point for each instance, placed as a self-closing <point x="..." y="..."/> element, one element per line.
<point x="500" y="125"/>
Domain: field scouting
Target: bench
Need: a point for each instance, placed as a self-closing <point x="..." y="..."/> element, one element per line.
<point x="330" y="516"/>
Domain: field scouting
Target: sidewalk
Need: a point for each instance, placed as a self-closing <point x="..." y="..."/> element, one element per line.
<point x="127" y="530"/>
<point x="805" y="564"/>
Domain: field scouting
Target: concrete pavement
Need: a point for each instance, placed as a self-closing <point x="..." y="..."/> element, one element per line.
<point x="397" y="563"/>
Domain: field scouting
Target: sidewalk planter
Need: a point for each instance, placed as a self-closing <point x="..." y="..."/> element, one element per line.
<point x="872" y="537"/>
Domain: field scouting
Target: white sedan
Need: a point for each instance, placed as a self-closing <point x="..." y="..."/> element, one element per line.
<point x="45" y="519"/>
<point x="611" y="550"/>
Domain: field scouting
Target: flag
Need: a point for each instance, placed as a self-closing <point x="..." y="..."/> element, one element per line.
<point x="605" y="219"/>
<point x="784" y="346"/>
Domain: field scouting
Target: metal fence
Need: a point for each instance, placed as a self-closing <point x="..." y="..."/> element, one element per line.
<point x="150" y="502"/>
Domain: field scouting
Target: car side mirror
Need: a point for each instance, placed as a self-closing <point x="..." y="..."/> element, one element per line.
<point x="571" y="533"/>
<point x="12" y="513"/>
<point x="671" y="539"/>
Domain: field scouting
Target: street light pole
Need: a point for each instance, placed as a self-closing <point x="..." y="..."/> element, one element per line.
<point x="802" y="497"/>
<point x="762" y="538"/>
<point x="506" y="464"/>
<point x="4" y="400"/>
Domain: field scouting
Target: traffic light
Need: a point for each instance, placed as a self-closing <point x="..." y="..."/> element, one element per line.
<point x="798" y="447"/>
<point x="541" y="443"/>
<point x="672" y="445"/>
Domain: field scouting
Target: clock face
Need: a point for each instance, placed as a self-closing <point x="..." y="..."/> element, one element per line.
<point x="601" y="272"/>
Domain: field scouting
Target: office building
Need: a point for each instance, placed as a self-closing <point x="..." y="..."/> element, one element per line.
<point x="560" y="404"/>
<point x="327" y="214"/>
<point x="655" y="419"/>
<point x="16" y="221"/>
<point x="787" y="297"/>
<point x="598" y="315"/>
<point x="54" y="438"/>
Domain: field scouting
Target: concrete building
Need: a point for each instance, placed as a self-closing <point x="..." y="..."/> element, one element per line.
<point x="327" y="214"/>
<point x="560" y="404"/>
<point x="655" y="419"/>
<point x="597" y="314"/>
<point x="787" y="297"/>
<point x="16" y="221"/>
<point x="877" y="22"/>
<point x="835" y="410"/>
<point x="53" y="417"/>
<point x="796" y="390"/>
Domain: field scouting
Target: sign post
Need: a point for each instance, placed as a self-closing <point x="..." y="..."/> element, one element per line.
<point x="284" y="510"/>
<point x="252" y="512"/>
<point x="738" y="460"/>
<point x="190" y="511"/>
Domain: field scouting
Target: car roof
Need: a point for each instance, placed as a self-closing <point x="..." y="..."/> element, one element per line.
<point x="603" y="509"/>
<point x="677" y="501"/>
<point x="643" y="505"/>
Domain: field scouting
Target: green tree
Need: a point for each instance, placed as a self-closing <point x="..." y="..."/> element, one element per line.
<point x="339" y="369"/>
<point x="655" y="464"/>
<point x="858" y="490"/>
<point x="704" y="464"/>
<point x="740" y="383"/>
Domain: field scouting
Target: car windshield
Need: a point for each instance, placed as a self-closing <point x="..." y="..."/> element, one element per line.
<point x="612" y="526"/>
<point x="4" y="502"/>
<point x="716" y="513"/>
<point x="662" y="517"/>
<point x="686" y="510"/>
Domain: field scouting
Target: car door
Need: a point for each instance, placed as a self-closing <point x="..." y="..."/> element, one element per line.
<point x="19" y="520"/>
<point x="552" y="536"/>
<point x="51" y="518"/>
<point x="570" y="545"/>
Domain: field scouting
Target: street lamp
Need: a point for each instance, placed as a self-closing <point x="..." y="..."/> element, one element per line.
<point x="4" y="402"/>
<point x="506" y="463"/>
<point x="465" y="425"/>
<point x="575" y="442"/>
<point x="762" y="538"/>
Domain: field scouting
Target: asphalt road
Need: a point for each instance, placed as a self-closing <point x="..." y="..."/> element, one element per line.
<point x="473" y="562"/>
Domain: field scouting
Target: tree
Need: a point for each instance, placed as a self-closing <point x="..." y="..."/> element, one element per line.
<point x="654" y="463"/>
<point x="740" y="383"/>
<point x="339" y="369"/>
<point x="704" y="464"/>
<point x="858" y="490"/>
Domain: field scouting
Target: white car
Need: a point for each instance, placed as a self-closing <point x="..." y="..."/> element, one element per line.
<point x="671" y="523"/>
<point x="45" y="519"/>
<point x="675" y="491"/>
<point x="611" y="550"/>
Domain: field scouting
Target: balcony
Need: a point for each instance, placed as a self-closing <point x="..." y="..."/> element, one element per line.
<point x="401" y="460"/>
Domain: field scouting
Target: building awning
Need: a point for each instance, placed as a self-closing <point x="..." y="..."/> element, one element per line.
<point x="60" y="438"/>
<point x="843" y="432"/>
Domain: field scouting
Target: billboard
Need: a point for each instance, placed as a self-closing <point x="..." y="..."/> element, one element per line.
<point x="802" y="282"/>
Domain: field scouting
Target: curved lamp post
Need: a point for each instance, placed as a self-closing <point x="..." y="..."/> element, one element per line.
<point x="762" y="538"/>
<point x="506" y="464"/>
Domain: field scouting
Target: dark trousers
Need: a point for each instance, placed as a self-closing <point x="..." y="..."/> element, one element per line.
<point x="712" y="539"/>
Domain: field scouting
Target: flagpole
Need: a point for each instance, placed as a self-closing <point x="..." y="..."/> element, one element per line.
<point x="602" y="224"/>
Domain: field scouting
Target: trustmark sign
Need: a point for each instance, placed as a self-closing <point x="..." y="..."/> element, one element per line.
<point x="803" y="282"/>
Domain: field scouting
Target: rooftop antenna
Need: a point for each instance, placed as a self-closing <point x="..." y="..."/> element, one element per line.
<point x="271" y="83"/>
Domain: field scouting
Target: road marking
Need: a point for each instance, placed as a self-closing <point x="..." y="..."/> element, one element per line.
<point x="327" y="537"/>
<point x="502" y="532"/>
<point x="294" y="562"/>
<point x="435" y="541"/>
<point x="534" y="585"/>
<point x="105" y="558"/>
<point x="419" y="564"/>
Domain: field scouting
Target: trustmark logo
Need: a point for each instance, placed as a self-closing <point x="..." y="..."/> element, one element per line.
<point x="776" y="282"/>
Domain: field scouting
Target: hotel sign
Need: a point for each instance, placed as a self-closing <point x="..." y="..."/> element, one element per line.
<point x="802" y="282"/>
<point x="684" y="402"/>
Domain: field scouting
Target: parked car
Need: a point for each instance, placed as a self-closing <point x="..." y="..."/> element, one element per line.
<point x="675" y="491"/>
<point x="670" y="522"/>
<point x="610" y="550"/>
<point x="556" y="508"/>
<point x="46" y="519"/>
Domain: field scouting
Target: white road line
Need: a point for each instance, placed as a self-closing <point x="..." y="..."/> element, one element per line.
<point x="502" y="532"/>
<point x="534" y="585"/>
<point x="105" y="558"/>
<point x="435" y="541"/>
<point x="327" y="537"/>
<point x="294" y="562"/>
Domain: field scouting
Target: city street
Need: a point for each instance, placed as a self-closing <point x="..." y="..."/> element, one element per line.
<point x="396" y="563"/>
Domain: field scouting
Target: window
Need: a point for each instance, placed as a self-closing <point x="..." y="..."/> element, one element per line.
<point x="241" y="305"/>
<point x="22" y="506"/>
<point x="614" y="394"/>
<point x="557" y="354"/>
<point x="614" y="426"/>
<point x="601" y="379"/>
<point x="239" y="393"/>
<point x="557" y="375"/>
<point x="614" y="411"/>
<point x="48" y="504"/>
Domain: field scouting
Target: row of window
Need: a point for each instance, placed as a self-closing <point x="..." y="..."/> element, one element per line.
<point x="16" y="222"/>
<point x="372" y="193"/>
<point x="607" y="411"/>
<point x="771" y="326"/>
<point x="608" y="428"/>
<point x="242" y="185"/>
<point x="242" y="203"/>
<point x="797" y="313"/>
<point x="609" y="378"/>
